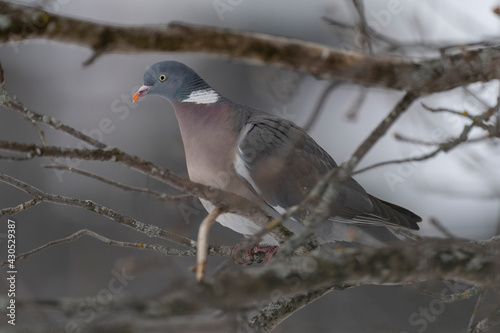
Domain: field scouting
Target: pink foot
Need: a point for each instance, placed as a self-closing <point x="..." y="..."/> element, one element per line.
<point x="268" y="250"/>
<point x="252" y="254"/>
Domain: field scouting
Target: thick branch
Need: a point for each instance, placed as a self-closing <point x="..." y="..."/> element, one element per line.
<point x="396" y="265"/>
<point x="423" y="76"/>
<point x="437" y="259"/>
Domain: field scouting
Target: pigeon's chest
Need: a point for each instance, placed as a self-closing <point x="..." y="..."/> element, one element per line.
<point x="209" y="159"/>
<point x="210" y="143"/>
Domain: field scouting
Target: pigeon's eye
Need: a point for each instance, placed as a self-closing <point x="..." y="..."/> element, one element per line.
<point x="162" y="77"/>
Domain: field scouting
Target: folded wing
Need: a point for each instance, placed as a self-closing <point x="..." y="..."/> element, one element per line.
<point x="282" y="163"/>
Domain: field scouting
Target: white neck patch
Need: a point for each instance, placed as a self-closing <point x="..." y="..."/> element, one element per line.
<point x="205" y="96"/>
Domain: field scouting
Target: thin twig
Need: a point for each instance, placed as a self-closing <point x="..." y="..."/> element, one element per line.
<point x="466" y="294"/>
<point x="486" y="324"/>
<point x="479" y="121"/>
<point x="320" y="104"/>
<point x="336" y="23"/>
<point x="402" y="47"/>
<point x="148" y="229"/>
<point x="360" y="7"/>
<point x="497" y="232"/>
<point x="476" y="97"/>
<point x="403" y="138"/>
<point x="353" y="110"/>
<point x="480" y="300"/>
<point x="441" y="227"/>
<point x="277" y="311"/>
<point x="159" y="195"/>
<point x="19" y="208"/>
<point x="443" y="147"/>
<point x="85" y="232"/>
<point x="31" y="116"/>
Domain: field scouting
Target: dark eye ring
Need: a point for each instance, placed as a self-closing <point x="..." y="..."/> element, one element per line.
<point x="162" y="77"/>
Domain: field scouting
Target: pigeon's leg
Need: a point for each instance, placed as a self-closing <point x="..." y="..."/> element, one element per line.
<point x="202" y="248"/>
<point x="248" y="253"/>
<point x="268" y="250"/>
<point x="251" y="253"/>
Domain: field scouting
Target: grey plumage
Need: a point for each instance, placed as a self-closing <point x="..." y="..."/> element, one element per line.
<point x="269" y="160"/>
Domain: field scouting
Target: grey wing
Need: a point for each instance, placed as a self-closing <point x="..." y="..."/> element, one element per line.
<point x="282" y="163"/>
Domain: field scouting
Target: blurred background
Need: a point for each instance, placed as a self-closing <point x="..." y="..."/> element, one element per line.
<point x="460" y="189"/>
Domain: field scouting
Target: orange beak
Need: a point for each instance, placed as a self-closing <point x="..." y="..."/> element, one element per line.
<point x="141" y="92"/>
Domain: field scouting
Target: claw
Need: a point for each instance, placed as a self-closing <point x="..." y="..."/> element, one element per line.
<point x="251" y="255"/>
<point x="241" y="260"/>
<point x="268" y="250"/>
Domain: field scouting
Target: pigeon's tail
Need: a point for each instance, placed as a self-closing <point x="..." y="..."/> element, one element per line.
<point x="395" y="214"/>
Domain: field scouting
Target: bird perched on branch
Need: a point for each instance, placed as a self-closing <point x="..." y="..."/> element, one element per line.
<point x="267" y="159"/>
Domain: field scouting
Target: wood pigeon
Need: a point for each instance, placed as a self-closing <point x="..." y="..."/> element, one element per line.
<point x="267" y="159"/>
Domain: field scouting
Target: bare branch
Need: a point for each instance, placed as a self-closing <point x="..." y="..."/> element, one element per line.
<point x="395" y="265"/>
<point x="320" y="104"/>
<point x="442" y="47"/>
<point x="443" y="147"/>
<point x="85" y="232"/>
<point x="435" y="222"/>
<point x="148" y="229"/>
<point x="403" y="138"/>
<point x="479" y="121"/>
<point x="360" y="8"/>
<point x="467" y="294"/>
<point x="479" y="304"/>
<point x="56" y="124"/>
<point x="486" y="324"/>
<point x="276" y="312"/>
<point x="2" y="84"/>
<point x="409" y="262"/>
<point x="19" y="208"/>
<point x="423" y="76"/>
<point x="158" y="195"/>
<point x="353" y="110"/>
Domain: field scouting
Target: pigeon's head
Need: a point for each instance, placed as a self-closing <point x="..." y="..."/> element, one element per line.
<point x="171" y="80"/>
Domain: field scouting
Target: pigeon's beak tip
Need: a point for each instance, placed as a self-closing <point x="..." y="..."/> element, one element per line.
<point x="141" y="92"/>
<point x="136" y="97"/>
